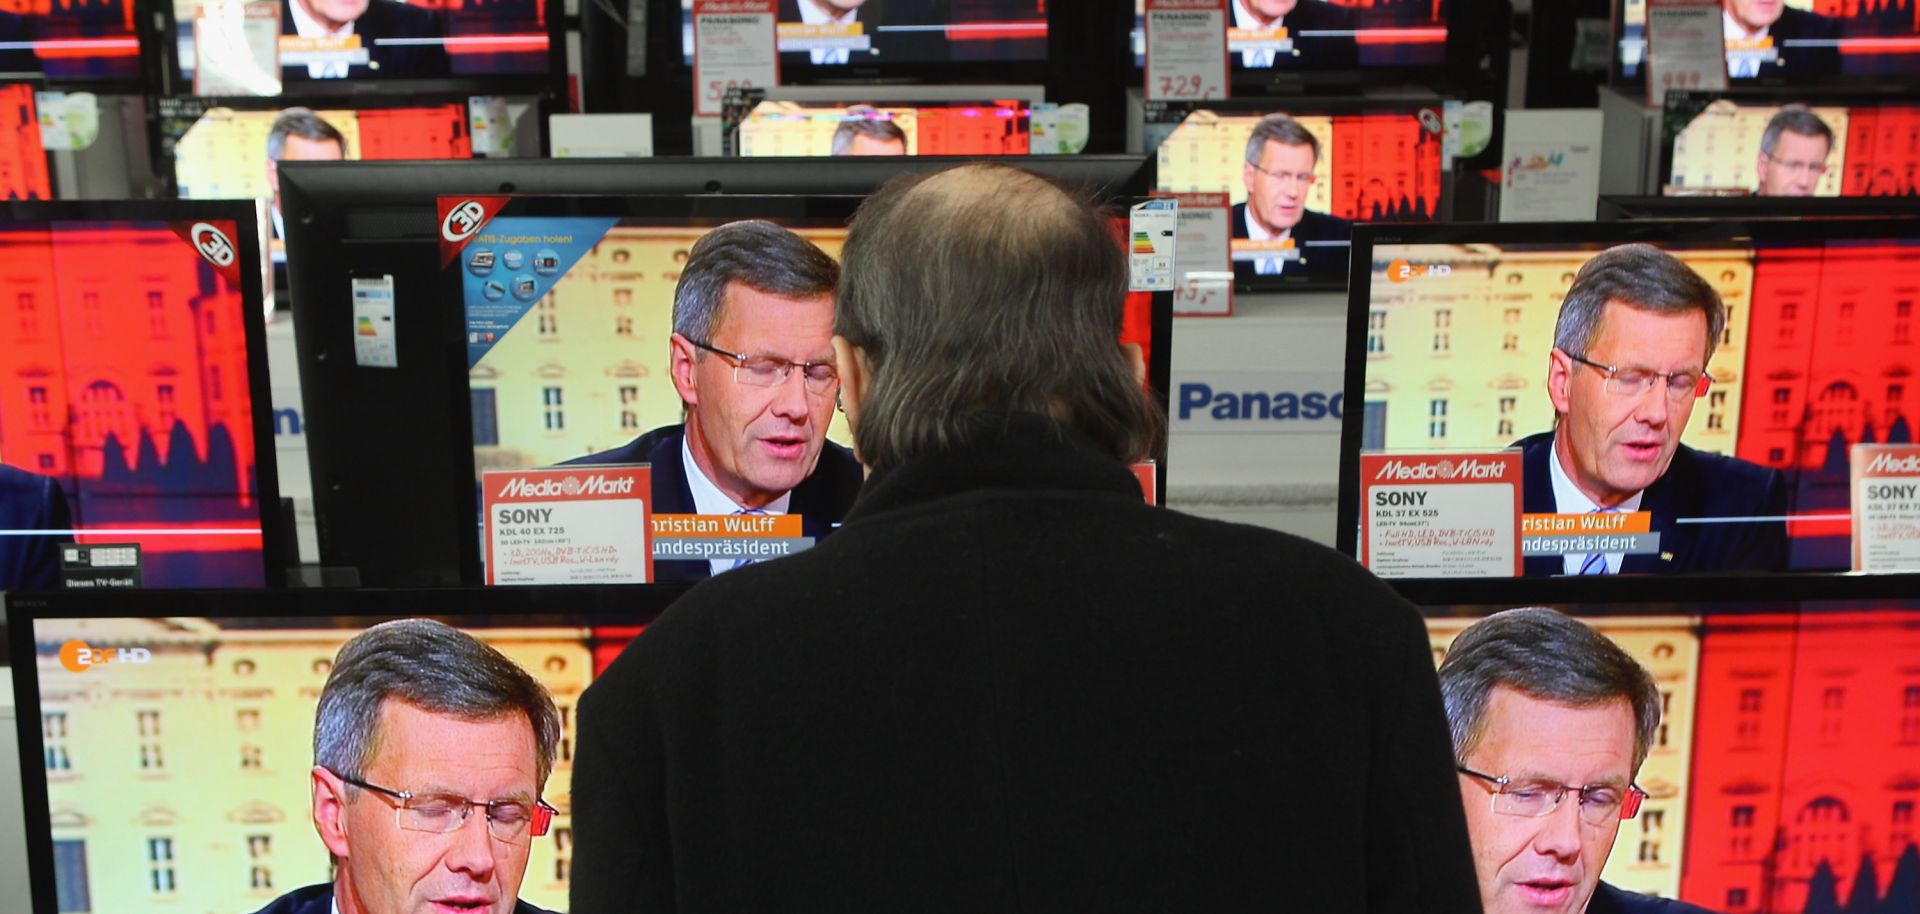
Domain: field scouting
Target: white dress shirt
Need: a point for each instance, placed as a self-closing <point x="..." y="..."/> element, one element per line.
<point x="1732" y="30"/>
<point x="1243" y="18"/>
<point x="306" y="26"/>
<point x="1568" y="499"/>
<point x="812" y="14"/>
<point x="1265" y="266"/>
<point x="708" y="499"/>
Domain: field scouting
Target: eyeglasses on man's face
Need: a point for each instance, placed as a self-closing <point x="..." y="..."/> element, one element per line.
<point x="1795" y="166"/>
<point x="508" y="821"/>
<point x="773" y="371"/>
<point x="1534" y="798"/>
<point x="1632" y="382"/>
<point x="1301" y="178"/>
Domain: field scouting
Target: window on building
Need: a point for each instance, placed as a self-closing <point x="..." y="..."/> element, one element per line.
<point x="1741" y="843"/>
<point x="246" y="720"/>
<point x="1436" y="418"/>
<point x="163" y="398"/>
<point x="1443" y="342"/>
<point x="564" y="751"/>
<point x="623" y="326"/>
<point x="1736" y="899"/>
<point x="1789" y="311"/>
<point x="1442" y="318"/>
<point x="149" y="725"/>
<point x="1896" y="392"/>
<point x="562" y="855"/>
<point x="1833" y="702"/>
<point x="250" y="757"/>
<point x="553" y="409"/>
<point x="1776" y="455"/>
<point x="549" y="317"/>
<point x="486" y="416"/>
<point x="1652" y="822"/>
<point x="41" y="410"/>
<point x="53" y="736"/>
<point x="1910" y="714"/>
<point x="160" y="872"/>
<point x="1504" y="428"/>
<point x="629" y="397"/>
<point x="1747" y="726"/>
<point x="29" y="315"/>
<point x="1510" y="316"/>
<point x="1510" y="342"/>
<point x="260" y="862"/>
<point x="90" y="312"/>
<point x="1376" y="343"/>
<point x="1726" y="335"/>
<point x="157" y="313"/>
<point x="215" y="389"/>
<point x="1901" y="834"/>
<point x="70" y="878"/>
<point x="1717" y="400"/>
<point x="623" y="298"/>
<point x="1376" y="319"/>
<point x="1716" y="421"/>
<point x="1666" y="714"/>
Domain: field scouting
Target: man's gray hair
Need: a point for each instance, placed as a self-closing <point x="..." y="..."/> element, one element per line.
<point x="1282" y="129"/>
<point x="1639" y="276"/>
<point x="756" y="254"/>
<point x="305" y="124"/>
<point x="985" y="288"/>
<point x="435" y="668"/>
<point x="1795" y="118"/>
<point x="870" y="122"/>
<point x="1546" y="656"/>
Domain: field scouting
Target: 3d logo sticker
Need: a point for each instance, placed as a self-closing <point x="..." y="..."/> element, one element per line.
<point x="462" y="221"/>
<point x="213" y="244"/>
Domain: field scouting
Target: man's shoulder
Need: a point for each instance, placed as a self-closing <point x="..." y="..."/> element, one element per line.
<point x="1322" y="227"/>
<point x="1610" y="900"/>
<point x="1799" y="23"/>
<point x="1319" y="13"/>
<point x="398" y="13"/>
<point x="1724" y="473"/>
<point x="639" y="450"/>
<point x="313" y="899"/>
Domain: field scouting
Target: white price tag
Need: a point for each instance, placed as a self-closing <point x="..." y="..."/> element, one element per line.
<point x="1886" y="507"/>
<point x="1203" y="275"/>
<point x="1152" y="229"/>
<point x="573" y="525"/>
<point x="1686" y="47"/>
<point x="733" y="47"/>
<point x="1440" y="515"/>
<point x="1186" y="49"/>
<point x="236" y="49"/>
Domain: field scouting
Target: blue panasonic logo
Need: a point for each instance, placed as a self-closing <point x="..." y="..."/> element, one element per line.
<point x="1248" y="406"/>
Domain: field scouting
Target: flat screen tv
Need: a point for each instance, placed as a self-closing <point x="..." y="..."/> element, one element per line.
<point x="92" y="45"/>
<point x="1770" y="144"/>
<point x="1793" y="42"/>
<point x="958" y="41"/>
<point x="1273" y="45"/>
<point x="133" y="395"/>
<point x="982" y="128"/>
<point x="1452" y="350"/>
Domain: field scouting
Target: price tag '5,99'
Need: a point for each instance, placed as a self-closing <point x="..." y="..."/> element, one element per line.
<point x="1186" y="49"/>
<point x="733" y="47"/>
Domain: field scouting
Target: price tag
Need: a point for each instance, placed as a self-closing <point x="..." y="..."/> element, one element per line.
<point x="1186" y="49"/>
<point x="1203" y="274"/>
<point x="571" y="525"/>
<point x="1886" y="507"/>
<point x="1440" y="515"/>
<point x="1686" y="47"/>
<point x="733" y="47"/>
<point x="236" y="49"/>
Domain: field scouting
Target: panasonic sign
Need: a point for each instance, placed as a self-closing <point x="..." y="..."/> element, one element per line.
<point x="1258" y="402"/>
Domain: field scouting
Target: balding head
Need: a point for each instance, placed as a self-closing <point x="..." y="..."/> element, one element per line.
<point x="987" y="288"/>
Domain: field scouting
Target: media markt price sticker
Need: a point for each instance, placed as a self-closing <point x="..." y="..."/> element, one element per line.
<point x="733" y="47"/>
<point x="579" y="525"/>
<point x="1203" y="273"/>
<point x="1186" y="49"/>
<point x="1440" y="515"/>
<point x="1886" y="507"/>
<point x="1687" y="48"/>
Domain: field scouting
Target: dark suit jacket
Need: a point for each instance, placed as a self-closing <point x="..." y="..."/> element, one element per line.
<point x="887" y="47"/>
<point x="387" y="19"/>
<point x="1696" y="484"/>
<point x="31" y="502"/>
<point x="1318" y="263"/>
<point x="1008" y="684"/>
<point x="1316" y="52"/>
<point x="1801" y="63"/>
<point x="821" y="499"/>
<point x="1609" y="900"/>
<point x="318" y="899"/>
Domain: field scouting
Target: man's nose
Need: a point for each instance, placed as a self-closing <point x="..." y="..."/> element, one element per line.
<point x="1654" y="406"/>
<point x="470" y="848"/>
<point x="1559" y="834"/>
<point x="790" y="396"/>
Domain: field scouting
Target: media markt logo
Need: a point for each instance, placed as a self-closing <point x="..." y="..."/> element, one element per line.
<point x="1466" y="468"/>
<point x="79" y="656"/>
<point x="1891" y="465"/>
<point x="568" y="487"/>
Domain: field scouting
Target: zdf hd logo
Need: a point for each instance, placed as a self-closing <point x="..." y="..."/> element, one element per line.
<point x="1404" y="270"/>
<point x="78" y="656"/>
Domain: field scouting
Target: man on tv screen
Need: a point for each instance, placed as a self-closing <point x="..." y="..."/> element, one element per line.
<point x="1302" y="19"/>
<point x="1631" y="345"/>
<point x="1551" y="722"/>
<point x="299" y="135"/>
<point x="864" y="131"/>
<point x="752" y="360"/>
<point x="430" y="751"/>
<point x="1793" y="153"/>
<point x="29" y="501"/>
<point x="1279" y="170"/>
<point x="371" y="21"/>
<point x="1769" y="38"/>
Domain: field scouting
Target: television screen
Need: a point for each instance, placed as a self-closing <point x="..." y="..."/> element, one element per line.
<point x="91" y="42"/>
<point x="1797" y="42"/>
<point x="324" y="42"/>
<point x="132" y="394"/>
<point x="848" y="35"/>
<point x="173" y="742"/>
<point x="779" y="128"/>
<point x="1282" y="36"/>
<point x="1741" y="464"/>
<point x="23" y="160"/>
<point x="1773" y="149"/>
<point x="1776" y="777"/>
<point x="1319" y="170"/>
<point x="595" y="278"/>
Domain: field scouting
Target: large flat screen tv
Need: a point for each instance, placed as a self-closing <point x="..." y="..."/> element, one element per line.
<point x="133" y="393"/>
<point x="1776" y="145"/>
<point x="1793" y="42"/>
<point x="1278" y="44"/>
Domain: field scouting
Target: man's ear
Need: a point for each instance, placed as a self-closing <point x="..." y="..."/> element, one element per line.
<point x="1559" y="380"/>
<point x="330" y="811"/>
<point x="681" y="353"/>
<point x="1137" y="361"/>
<point x="850" y="362"/>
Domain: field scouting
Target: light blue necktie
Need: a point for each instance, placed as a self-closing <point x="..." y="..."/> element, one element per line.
<point x="1596" y="562"/>
<point x="742" y="563"/>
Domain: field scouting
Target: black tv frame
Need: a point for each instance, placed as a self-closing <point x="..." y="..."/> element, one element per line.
<point x="1547" y="234"/>
<point x="346" y="219"/>
<point x="551" y="83"/>
<point x="549" y="604"/>
<point x="1638" y="208"/>
<point x="1636" y="84"/>
<point x="274" y="533"/>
